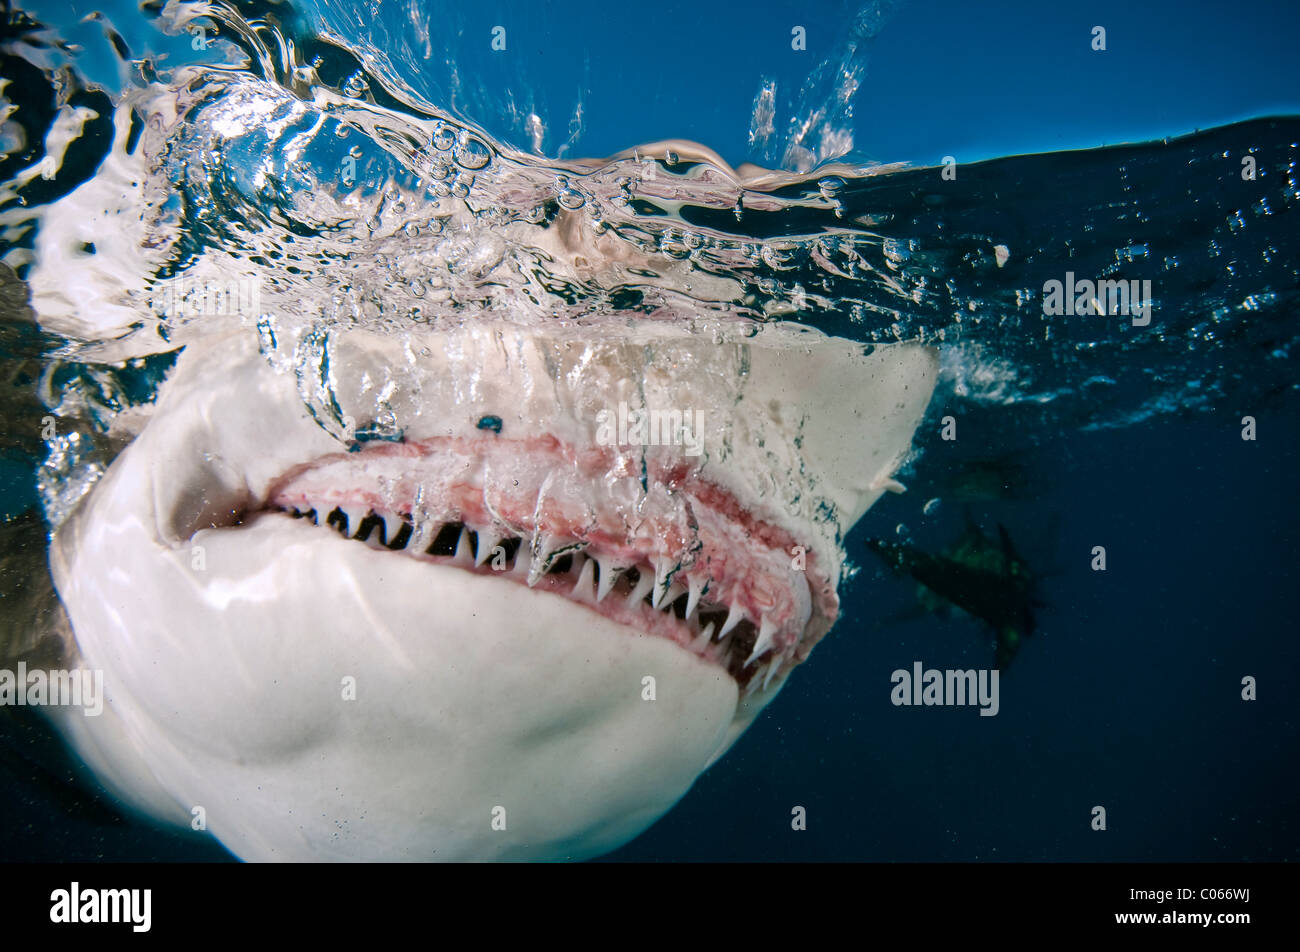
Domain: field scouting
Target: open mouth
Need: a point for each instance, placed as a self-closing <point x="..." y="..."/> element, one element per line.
<point x="659" y="550"/>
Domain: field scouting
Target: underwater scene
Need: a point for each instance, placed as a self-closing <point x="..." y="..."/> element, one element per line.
<point x="838" y="432"/>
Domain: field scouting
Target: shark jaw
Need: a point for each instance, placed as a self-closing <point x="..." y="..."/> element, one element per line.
<point x="467" y="642"/>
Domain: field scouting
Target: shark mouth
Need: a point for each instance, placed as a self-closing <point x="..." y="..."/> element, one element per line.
<point x="721" y="586"/>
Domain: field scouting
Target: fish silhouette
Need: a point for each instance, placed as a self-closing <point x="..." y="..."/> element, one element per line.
<point x="984" y="577"/>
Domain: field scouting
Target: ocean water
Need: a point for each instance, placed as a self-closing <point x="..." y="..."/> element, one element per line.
<point x="336" y="165"/>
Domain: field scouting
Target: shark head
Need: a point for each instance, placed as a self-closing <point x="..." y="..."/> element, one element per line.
<point x="508" y="630"/>
<point x="496" y="586"/>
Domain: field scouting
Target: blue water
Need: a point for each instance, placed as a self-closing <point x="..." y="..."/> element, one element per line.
<point x="1128" y="697"/>
<point x="1129" y="694"/>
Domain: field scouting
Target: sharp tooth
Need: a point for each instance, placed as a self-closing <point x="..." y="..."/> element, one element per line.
<point x="519" y="563"/>
<point x="541" y="557"/>
<point x="527" y="565"/>
<point x="772" y="667"/>
<point x="734" y="617"/>
<point x="586" y="578"/>
<point x="643" y="585"/>
<point x="354" y="515"/>
<point x="464" y="552"/>
<point x="423" y="532"/>
<point x="702" y="639"/>
<point x="697" y="584"/>
<point x="766" y="634"/>
<point x="663" y="571"/>
<point x="675" y="591"/>
<point x="488" y="539"/>
<point x="609" y="573"/>
<point x="392" y="525"/>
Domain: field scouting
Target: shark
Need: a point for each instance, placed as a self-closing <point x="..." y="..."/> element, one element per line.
<point x="414" y="605"/>
<point x="984" y="578"/>
<point x="442" y="647"/>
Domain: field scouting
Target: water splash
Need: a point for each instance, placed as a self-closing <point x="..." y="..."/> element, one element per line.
<point x="254" y="154"/>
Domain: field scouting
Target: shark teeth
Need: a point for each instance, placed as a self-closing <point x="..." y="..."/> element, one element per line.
<point x="464" y="550"/>
<point x="664" y="569"/>
<point x="422" y="535"/>
<point x="698" y="584"/>
<point x="645" y="581"/>
<point x="392" y="526"/>
<point x="766" y="638"/>
<point x="546" y="552"/>
<point x="488" y="540"/>
<point x="352" y="516"/>
<point x="734" y="617"/>
<point x="702" y="640"/>
<point x="609" y="574"/>
<point x="668" y="600"/>
<point x="586" y="578"/>
<point x="659" y="585"/>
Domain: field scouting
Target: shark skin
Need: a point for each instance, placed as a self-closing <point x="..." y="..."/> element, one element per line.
<point x="407" y="687"/>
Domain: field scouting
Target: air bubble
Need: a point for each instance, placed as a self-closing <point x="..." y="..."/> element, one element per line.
<point x="443" y="139"/>
<point x="830" y="186"/>
<point x="356" y="86"/>
<point x="471" y="153"/>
